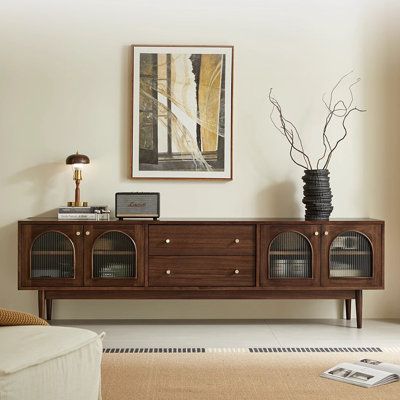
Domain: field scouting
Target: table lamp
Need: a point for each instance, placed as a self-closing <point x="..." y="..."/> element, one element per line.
<point x="77" y="161"/>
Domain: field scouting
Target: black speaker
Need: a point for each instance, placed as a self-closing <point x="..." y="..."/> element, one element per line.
<point x="137" y="205"/>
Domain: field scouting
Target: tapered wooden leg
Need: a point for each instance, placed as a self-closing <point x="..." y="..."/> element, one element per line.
<point x="49" y="306"/>
<point x="41" y="304"/>
<point x="348" y="309"/>
<point x="359" y="301"/>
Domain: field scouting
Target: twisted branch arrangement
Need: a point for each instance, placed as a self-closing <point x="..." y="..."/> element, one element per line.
<point x="339" y="110"/>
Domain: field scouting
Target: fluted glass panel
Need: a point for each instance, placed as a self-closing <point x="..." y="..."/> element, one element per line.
<point x="114" y="256"/>
<point x="290" y="256"/>
<point x="350" y="256"/>
<point x="52" y="256"/>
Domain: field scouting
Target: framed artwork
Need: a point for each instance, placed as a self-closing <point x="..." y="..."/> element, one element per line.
<point x="182" y="112"/>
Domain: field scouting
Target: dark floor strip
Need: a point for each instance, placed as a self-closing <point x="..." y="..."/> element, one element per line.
<point x="156" y="350"/>
<point x="314" y="349"/>
<point x="250" y="349"/>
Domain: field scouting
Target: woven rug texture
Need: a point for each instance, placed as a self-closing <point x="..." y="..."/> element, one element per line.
<point x="235" y="376"/>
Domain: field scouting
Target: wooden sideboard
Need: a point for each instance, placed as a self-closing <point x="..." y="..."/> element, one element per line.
<point x="201" y="259"/>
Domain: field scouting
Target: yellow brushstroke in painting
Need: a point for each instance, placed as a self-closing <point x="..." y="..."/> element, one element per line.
<point x="209" y="99"/>
<point x="183" y="92"/>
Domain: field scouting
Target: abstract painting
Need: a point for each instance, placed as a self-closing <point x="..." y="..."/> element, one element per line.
<point x="182" y="112"/>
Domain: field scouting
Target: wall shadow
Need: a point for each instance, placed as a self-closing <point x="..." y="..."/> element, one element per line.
<point x="279" y="200"/>
<point x="381" y="62"/>
<point x="37" y="181"/>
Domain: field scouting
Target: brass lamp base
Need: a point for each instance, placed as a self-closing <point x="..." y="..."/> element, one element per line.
<point x="77" y="204"/>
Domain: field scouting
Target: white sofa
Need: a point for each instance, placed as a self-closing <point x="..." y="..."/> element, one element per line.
<point x="49" y="363"/>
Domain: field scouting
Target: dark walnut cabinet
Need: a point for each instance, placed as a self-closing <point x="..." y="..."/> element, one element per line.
<point x="201" y="259"/>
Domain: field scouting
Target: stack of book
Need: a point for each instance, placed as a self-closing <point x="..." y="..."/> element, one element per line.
<point x="93" y="213"/>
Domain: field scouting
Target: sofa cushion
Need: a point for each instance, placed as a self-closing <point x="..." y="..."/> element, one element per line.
<point x="25" y="346"/>
<point x="11" y="317"/>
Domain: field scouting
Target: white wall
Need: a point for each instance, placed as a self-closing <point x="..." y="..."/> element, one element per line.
<point x="65" y="85"/>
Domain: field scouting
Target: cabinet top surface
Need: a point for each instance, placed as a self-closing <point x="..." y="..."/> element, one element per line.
<point x="54" y="220"/>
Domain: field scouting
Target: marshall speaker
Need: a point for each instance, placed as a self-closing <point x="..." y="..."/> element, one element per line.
<point x="137" y="205"/>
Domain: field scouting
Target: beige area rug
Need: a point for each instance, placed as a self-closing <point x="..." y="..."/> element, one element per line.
<point x="235" y="376"/>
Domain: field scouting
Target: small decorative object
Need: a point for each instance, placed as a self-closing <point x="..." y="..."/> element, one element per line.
<point x="102" y="215"/>
<point x="298" y="268"/>
<point x="77" y="161"/>
<point x="317" y="191"/>
<point x="182" y="105"/>
<point x="279" y="268"/>
<point x="137" y="205"/>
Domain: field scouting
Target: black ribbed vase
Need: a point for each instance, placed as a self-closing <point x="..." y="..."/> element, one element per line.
<point x="317" y="194"/>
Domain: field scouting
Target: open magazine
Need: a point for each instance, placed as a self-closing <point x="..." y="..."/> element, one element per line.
<point x="366" y="373"/>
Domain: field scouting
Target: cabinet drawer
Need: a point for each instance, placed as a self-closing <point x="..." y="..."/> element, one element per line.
<point x="201" y="271"/>
<point x="202" y="240"/>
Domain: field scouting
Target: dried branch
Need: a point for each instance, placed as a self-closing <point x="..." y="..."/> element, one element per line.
<point x="351" y="91"/>
<point x="325" y="140"/>
<point x="290" y="132"/>
<point x="342" y="138"/>
<point x="333" y="90"/>
<point x="339" y="110"/>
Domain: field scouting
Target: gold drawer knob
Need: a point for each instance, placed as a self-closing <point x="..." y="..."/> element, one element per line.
<point x="87" y="233"/>
<point x="237" y="240"/>
<point x="78" y="233"/>
<point x="237" y="272"/>
<point x="316" y="233"/>
<point x="167" y="241"/>
<point x="326" y="233"/>
<point x="168" y="272"/>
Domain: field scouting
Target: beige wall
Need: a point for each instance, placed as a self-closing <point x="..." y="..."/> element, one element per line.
<point x="65" y="84"/>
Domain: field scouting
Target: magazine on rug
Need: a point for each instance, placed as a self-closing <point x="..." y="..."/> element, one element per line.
<point x="366" y="373"/>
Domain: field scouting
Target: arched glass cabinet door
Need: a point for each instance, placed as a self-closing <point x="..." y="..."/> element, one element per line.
<point x="290" y="257"/>
<point x="350" y="256"/>
<point x="114" y="255"/>
<point x="52" y="257"/>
